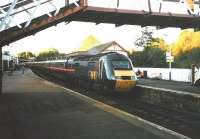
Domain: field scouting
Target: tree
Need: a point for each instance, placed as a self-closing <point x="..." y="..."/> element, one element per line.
<point x="151" y="57"/>
<point x="186" y="42"/>
<point x="88" y="43"/>
<point x="186" y="50"/>
<point x="48" y="54"/>
<point x="25" y="55"/>
<point x="194" y="56"/>
<point x="186" y="59"/>
<point x="146" y="40"/>
<point x="160" y="43"/>
<point x="153" y="54"/>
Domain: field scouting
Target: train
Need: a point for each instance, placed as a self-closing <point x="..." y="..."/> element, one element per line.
<point x="109" y="71"/>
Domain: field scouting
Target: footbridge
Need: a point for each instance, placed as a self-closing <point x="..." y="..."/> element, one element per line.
<point x="22" y="18"/>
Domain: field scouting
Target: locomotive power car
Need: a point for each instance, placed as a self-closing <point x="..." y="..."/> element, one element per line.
<point x="112" y="71"/>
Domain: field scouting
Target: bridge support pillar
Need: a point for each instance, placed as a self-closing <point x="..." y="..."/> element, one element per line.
<point x="1" y="70"/>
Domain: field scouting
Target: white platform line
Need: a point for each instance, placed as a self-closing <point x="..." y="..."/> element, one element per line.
<point x="170" y="90"/>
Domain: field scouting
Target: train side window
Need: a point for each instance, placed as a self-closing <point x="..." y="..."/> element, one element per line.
<point x="65" y="64"/>
<point x="102" y="71"/>
<point x="76" y="65"/>
<point x="91" y="65"/>
<point x="68" y="65"/>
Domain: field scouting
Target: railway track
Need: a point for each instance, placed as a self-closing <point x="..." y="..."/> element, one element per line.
<point x="186" y="123"/>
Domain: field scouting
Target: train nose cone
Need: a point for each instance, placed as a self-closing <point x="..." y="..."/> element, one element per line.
<point x="124" y="85"/>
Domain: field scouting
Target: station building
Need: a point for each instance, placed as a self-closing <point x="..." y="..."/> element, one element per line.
<point x="112" y="46"/>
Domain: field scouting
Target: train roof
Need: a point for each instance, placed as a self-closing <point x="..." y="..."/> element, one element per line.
<point x="48" y="61"/>
<point x="109" y="55"/>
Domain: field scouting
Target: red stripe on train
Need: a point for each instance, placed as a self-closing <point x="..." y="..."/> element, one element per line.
<point x="63" y="70"/>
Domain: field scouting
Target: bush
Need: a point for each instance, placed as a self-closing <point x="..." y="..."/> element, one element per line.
<point x="186" y="59"/>
<point x="150" y="57"/>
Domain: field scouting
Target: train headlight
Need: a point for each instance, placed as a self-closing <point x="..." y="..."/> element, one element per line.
<point x="113" y="78"/>
<point x="118" y="77"/>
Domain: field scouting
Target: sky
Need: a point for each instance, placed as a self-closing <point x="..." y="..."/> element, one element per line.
<point x="68" y="38"/>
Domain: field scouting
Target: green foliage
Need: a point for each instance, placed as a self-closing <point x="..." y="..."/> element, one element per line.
<point x="88" y="43"/>
<point x="48" y="54"/>
<point x="153" y="54"/>
<point x="187" y="58"/>
<point x="186" y="50"/>
<point x="146" y="40"/>
<point x="187" y="41"/>
<point x="150" y="57"/>
<point x="155" y="57"/>
<point x="25" y="55"/>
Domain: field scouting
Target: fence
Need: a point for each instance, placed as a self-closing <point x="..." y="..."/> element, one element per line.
<point x="182" y="75"/>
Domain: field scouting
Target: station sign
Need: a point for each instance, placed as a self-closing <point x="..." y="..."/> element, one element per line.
<point x="169" y="57"/>
<point x="168" y="54"/>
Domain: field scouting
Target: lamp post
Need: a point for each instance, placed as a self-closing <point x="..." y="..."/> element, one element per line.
<point x="169" y="59"/>
<point x="170" y="64"/>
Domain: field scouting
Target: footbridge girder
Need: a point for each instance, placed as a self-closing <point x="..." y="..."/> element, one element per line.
<point x="85" y="11"/>
<point x="14" y="33"/>
<point x="133" y="17"/>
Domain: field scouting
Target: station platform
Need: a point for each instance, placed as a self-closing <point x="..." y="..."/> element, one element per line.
<point x="172" y="85"/>
<point x="32" y="108"/>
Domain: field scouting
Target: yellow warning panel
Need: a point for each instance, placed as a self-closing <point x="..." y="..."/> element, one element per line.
<point x="92" y="75"/>
<point x="124" y="73"/>
<point x="124" y="85"/>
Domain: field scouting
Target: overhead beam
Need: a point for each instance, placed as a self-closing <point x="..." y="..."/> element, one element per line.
<point x="12" y="34"/>
<point x="100" y="15"/>
<point x="133" y="17"/>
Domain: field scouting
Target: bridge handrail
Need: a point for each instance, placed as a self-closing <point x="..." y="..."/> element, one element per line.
<point x="8" y="12"/>
<point x="22" y="6"/>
